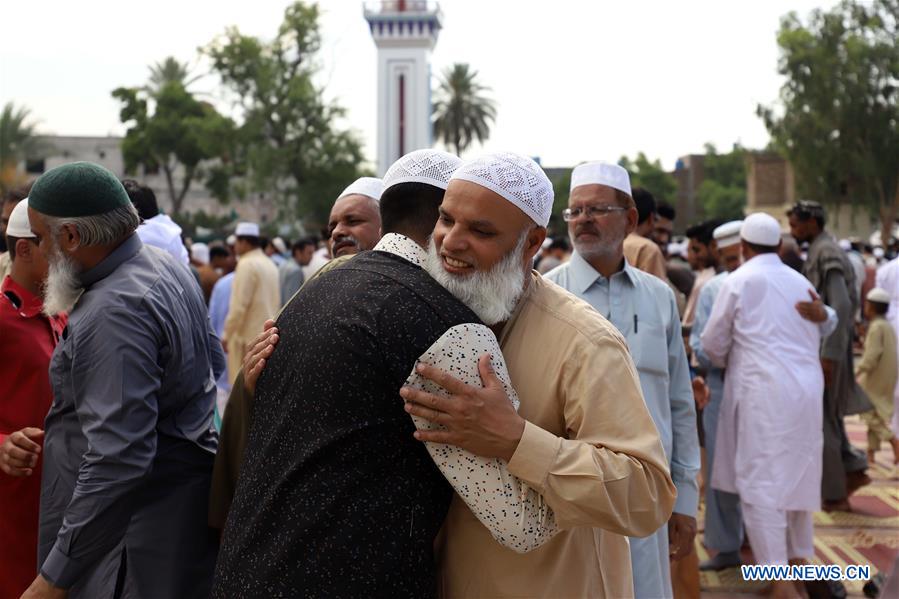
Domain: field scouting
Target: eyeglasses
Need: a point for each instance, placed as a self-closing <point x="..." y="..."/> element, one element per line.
<point x="593" y="212"/>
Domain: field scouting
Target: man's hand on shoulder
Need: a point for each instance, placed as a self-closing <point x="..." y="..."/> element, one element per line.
<point x="261" y="349"/>
<point x="813" y="310"/>
<point x="481" y="420"/>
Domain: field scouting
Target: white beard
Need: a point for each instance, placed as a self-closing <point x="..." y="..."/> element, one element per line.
<point x="492" y="295"/>
<point x="62" y="288"/>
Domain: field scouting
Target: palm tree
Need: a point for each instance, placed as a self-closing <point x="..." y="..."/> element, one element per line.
<point x="462" y="114"/>
<point x="170" y="70"/>
<point x="18" y="141"/>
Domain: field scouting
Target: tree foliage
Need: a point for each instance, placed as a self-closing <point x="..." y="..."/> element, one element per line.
<point x="838" y="115"/>
<point x="18" y="141"/>
<point x="179" y="135"/>
<point x="722" y="193"/>
<point x="462" y="111"/>
<point x="289" y="143"/>
<point x="650" y="175"/>
<point x="170" y="70"/>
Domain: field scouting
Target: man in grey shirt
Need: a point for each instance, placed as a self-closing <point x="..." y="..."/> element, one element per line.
<point x="290" y="273"/>
<point x="128" y="447"/>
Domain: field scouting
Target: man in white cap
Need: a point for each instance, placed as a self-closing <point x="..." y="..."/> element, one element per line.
<point x="514" y="514"/>
<point x="200" y="259"/>
<point x="601" y="213"/>
<point x="28" y="339"/>
<point x="255" y="295"/>
<point x="772" y="406"/>
<point x="355" y="221"/>
<point x="723" y="521"/>
<point x="888" y="279"/>
<point x="583" y="439"/>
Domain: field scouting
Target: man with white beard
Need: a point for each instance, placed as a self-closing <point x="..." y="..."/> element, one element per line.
<point x="601" y="213"/>
<point x="128" y="444"/>
<point x="583" y="438"/>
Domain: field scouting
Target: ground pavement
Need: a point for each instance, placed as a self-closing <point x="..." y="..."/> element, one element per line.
<point x="867" y="535"/>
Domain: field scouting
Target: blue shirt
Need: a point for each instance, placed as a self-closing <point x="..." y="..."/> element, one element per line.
<point x="643" y="309"/>
<point x="219" y="302"/>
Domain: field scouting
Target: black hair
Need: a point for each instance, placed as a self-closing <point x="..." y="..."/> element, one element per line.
<point x="761" y="249"/>
<point x="645" y="202"/>
<point x="17" y="194"/>
<point x="218" y="251"/>
<point x="879" y="308"/>
<point x="300" y="244"/>
<point x="142" y="197"/>
<point x="11" y="244"/>
<point x="254" y="241"/>
<point x="264" y="242"/>
<point x="560" y="243"/>
<point x="805" y="210"/>
<point x="704" y="232"/>
<point x="666" y="210"/>
<point x="410" y="209"/>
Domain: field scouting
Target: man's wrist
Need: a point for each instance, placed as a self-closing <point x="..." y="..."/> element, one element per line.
<point x="514" y="438"/>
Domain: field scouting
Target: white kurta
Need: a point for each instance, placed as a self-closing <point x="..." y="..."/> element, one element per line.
<point x="888" y="279"/>
<point x="770" y="429"/>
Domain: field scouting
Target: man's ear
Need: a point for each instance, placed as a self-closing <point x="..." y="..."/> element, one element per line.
<point x="25" y="249"/>
<point x="632" y="217"/>
<point x="70" y="238"/>
<point x="536" y="237"/>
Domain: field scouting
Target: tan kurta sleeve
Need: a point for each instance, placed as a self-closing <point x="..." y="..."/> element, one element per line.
<point x="650" y="260"/>
<point x="611" y="471"/>
<point x="228" y="458"/>
<point x="872" y="353"/>
<point x="242" y="290"/>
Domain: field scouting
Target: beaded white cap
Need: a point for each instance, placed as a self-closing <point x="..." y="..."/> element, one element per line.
<point x="433" y="167"/>
<point x="367" y="186"/>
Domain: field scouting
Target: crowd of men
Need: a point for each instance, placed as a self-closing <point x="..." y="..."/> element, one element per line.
<point x="441" y="400"/>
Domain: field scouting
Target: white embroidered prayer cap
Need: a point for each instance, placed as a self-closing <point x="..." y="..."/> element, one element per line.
<point x="728" y="234"/>
<point x="367" y="186"/>
<point x="433" y="167"/>
<point x="247" y="230"/>
<point x="878" y="296"/>
<point x="516" y="178"/>
<point x="279" y="245"/>
<point x="231" y="240"/>
<point x="200" y="252"/>
<point x="19" y="226"/>
<point x="601" y="173"/>
<point x="761" y="229"/>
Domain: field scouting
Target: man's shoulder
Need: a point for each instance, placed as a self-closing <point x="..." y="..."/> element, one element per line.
<point x="569" y="315"/>
<point x="641" y="243"/>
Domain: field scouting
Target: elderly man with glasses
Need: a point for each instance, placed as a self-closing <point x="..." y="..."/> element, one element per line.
<point x="600" y="215"/>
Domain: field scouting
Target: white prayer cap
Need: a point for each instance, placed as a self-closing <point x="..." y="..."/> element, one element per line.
<point x="879" y="253"/>
<point x="515" y="177"/>
<point x="231" y="239"/>
<point x="200" y="252"/>
<point x="19" y="226"/>
<point x="279" y="245"/>
<point x="433" y="167"/>
<point x="728" y="234"/>
<point x="601" y="173"/>
<point x="367" y="186"/>
<point x="878" y="296"/>
<point x="761" y="229"/>
<point x="845" y="245"/>
<point x="546" y="243"/>
<point x="247" y="230"/>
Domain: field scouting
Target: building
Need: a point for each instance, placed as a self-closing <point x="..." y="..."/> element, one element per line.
<point x="107" y="151"/>
<point x="405" y="32"/>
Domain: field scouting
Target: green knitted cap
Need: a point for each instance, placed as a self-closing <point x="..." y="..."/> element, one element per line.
<point x="77" y="189"/>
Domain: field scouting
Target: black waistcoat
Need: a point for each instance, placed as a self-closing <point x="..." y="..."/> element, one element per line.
<point x="335" y="497"/>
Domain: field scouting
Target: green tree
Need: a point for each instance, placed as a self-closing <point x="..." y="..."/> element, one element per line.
<point x="462" y="113"/>
<point x="650" y="175"/>
<point x="18" y="141"/>
<point x="722" y="193"/>
<point x="176" y="138"/>
<point x="838" y="117"/>
<point x="289" y="144"/>
<point x="170" y="70"/>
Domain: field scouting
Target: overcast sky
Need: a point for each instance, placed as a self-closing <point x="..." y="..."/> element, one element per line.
<point x="573" y="80"/>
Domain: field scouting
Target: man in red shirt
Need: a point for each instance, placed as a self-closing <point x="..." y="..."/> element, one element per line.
<point x="27" y="339"/>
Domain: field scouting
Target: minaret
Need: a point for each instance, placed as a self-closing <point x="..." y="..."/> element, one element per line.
<point x="405" y="32"/>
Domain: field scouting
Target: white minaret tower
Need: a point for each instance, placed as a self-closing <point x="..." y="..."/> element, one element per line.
<point x="405" y="32"/>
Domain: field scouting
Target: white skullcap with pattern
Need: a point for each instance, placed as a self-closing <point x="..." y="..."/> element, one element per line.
<point x="367" y="186"/>
<point x="433" y="167"/>
<point x="515" y="177"/>
<point x="601" y="173"/>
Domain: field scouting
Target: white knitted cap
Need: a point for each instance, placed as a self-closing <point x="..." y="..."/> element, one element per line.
<point x="247" y="230"/>
<point x="367" y="186"/>
<point x="19" y="225"/>
<point x="200" y="252"/>
<point x="601" y="173"/>
<point x="761" y="229"/>
<point x="878" y="296"/>
<point x="515" y="177"/>
<point x="728" y="234"/>
<point x="433" y="167"/>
